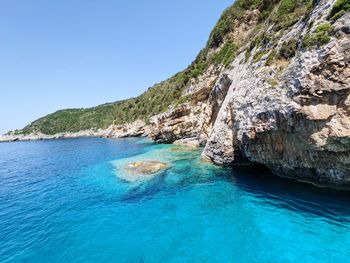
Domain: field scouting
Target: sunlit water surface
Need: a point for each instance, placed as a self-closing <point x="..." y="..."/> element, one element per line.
<point x="66" y="201"/>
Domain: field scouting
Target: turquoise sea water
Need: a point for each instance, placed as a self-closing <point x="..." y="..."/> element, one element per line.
<point x="66" y="201"/>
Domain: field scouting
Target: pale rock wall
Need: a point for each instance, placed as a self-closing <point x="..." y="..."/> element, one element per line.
<point x="292" y="116"/>
<point x="300" y="128"/>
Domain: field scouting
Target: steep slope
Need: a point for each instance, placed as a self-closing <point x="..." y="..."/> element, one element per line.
<point x="248" y="28"/>
<point x="283" y="101"/>
<point x="294" y="119"/>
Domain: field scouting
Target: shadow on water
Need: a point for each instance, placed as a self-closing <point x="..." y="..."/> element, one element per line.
<point x="150" y="189"/>
<point x="144" y="191"/>
<point x="259" y="183"/>
<point x="292" y="195"/>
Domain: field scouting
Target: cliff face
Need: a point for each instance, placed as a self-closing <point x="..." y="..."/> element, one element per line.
<point x="195" y="118"/>
<point x="284" y="104"/>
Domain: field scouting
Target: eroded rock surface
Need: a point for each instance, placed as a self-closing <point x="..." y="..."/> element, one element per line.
<point x="195" y="118"/>
<point x="299" y="128"/>
<point x="292" y="115"/>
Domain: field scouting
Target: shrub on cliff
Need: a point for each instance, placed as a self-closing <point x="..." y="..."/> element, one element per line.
<point x="227" y="24"/>
<point x="339" y="8"/>
<point x="288" y="49"/>
<point x="319" y="37"/>
<point x="258" y="56"/>
<point x="290" y="11"/>
<point x="226" y="55"/>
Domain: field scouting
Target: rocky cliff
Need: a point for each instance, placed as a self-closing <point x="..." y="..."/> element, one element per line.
<point x="284" y="101"/>
<point x="272" y="86"/>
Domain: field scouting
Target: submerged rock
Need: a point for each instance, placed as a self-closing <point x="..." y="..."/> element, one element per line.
<point x="138" y="171"/>
<point x="146" y="167"/>
<point x="188" y="142"/>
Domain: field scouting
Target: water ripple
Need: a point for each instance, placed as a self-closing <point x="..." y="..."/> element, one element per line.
<point x="60" y="201"/>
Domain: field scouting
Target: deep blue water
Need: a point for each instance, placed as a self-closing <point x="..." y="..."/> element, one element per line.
<point x="67" y="201"/>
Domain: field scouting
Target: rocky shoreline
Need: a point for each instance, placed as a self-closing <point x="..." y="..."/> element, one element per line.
<point x="135" y="129"/>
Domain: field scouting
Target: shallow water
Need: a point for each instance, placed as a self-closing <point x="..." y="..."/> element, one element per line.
<point x="66" y="201"/>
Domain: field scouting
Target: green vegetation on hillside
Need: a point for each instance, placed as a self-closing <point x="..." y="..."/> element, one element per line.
<point x="221" y="49"/>
<point x="153" y="101"/>
<point x="290" y="11"/>
<point x="259" y="55"/>
<point x="282" y="15"/>
<point x="286" y="52"/>
<point x="227" y="21"/>
<point x="226" y="55"/>
<point x="339" y="8"/>
<point x="288" y="49"/>
<point x="319" y="37"/>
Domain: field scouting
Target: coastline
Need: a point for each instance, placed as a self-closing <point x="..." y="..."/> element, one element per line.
<point x="135" y="129"/>
<point x="280" y="110"/>
<point x="41" y="137"/>
<point x="129" y="133"/>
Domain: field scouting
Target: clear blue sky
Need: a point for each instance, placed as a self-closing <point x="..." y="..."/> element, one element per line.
<point x="79" y="53"/>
